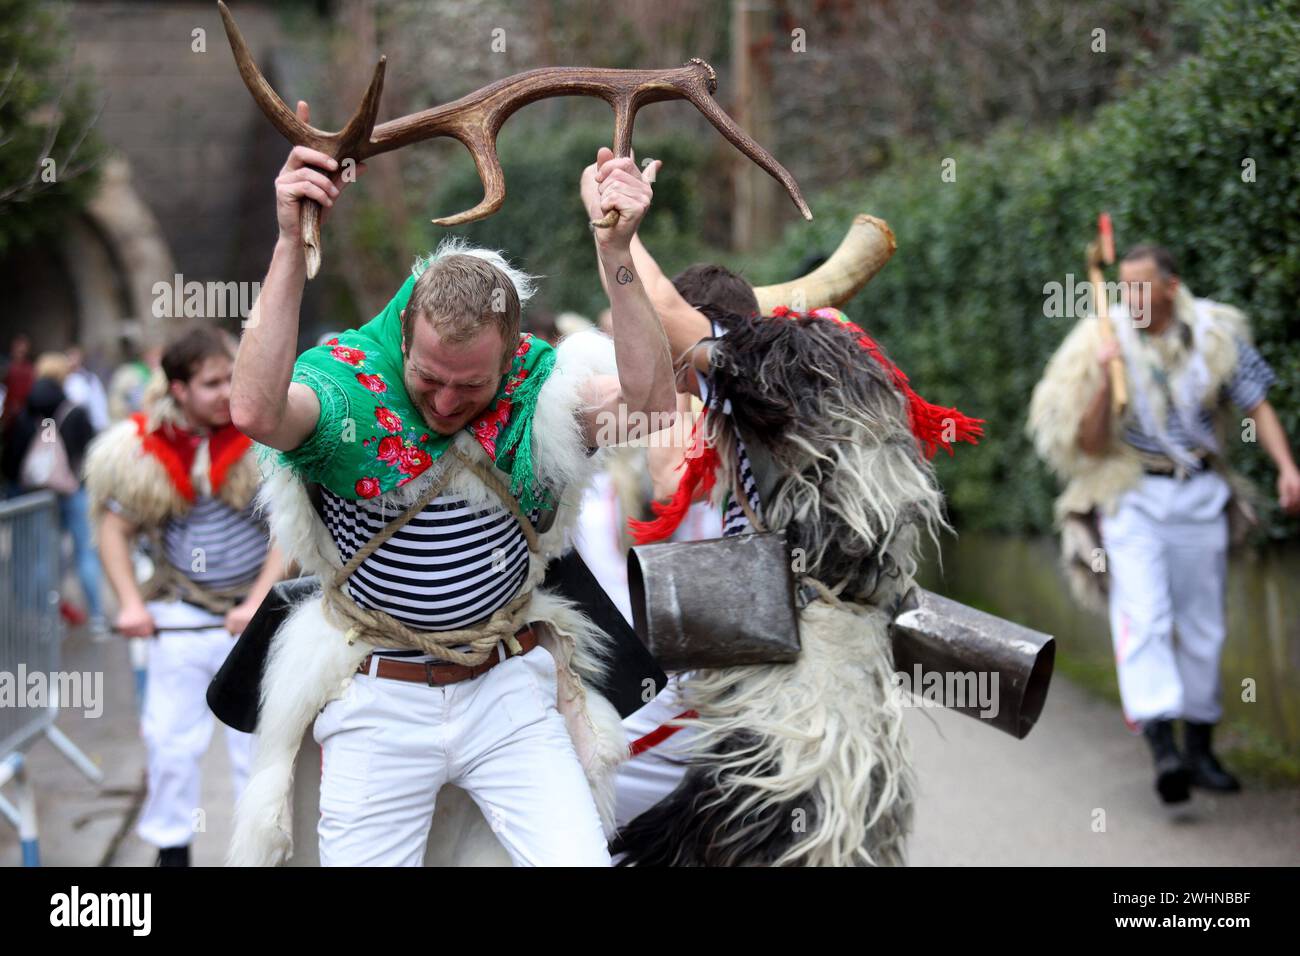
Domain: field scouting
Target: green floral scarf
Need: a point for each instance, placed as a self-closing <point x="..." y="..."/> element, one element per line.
<point x="371" y="438"/>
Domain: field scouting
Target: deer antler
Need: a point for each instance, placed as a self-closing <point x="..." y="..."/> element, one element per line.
<point x="476" y="119"/>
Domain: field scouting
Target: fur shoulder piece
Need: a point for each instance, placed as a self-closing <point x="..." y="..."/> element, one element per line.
<point x="118" y="467"/>
<point x="1217" y="328"/>
<point x="1060" y="398"/>
<point x="559" y="451"/>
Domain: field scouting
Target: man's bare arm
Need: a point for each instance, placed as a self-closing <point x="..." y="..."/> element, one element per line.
<point x="683" y="324"/>
<point x="116" y="536"/>
<point x="645" y="381"/>
<point x="1093" y="437"/>
<point x="274" y="569"/>
<point x="1273" y="437"/>
<point x="264" y="404"/>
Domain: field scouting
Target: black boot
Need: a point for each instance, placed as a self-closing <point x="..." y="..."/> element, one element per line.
<point x="1172" y="775"/>
<point x="1202" y="766"/>
<point x="174" y="856"/>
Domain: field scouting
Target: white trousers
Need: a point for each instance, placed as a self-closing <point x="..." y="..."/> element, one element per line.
<point x="1167" y="560"/>
<point x="177" y="726"/>
<point x="655" y="771"/>
<point x="388" y="746"/>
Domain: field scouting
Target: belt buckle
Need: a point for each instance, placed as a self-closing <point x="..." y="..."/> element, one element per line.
<point x="428" y="674"/>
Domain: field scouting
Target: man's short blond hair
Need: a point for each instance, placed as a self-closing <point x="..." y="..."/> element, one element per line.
<point x="461" y="290"/>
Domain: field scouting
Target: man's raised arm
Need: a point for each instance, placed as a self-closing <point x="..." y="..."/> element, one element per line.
<point x="645" y="371"/>
<point x="264" y="404"/>
<point x="683" y="324"/>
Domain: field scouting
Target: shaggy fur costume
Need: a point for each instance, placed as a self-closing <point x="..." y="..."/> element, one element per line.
<point x="1095" y="482"/>
<point x="311" y="661"/>
<point x="806" y="763"/>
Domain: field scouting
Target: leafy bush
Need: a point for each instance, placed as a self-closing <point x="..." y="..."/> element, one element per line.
<point x="45" y="114"/>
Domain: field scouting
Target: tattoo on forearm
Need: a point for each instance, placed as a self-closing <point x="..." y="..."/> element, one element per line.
<point x="623" y="275"/>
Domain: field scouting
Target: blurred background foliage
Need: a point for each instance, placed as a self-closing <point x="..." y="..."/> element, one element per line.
<point x="47" y="111"/>
<point x="961" y="305"/>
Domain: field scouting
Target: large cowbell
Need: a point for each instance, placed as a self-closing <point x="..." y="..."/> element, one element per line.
<point x="731" y="601"/>
<point x="950" y="645"/>
<point x="717" y="603"/>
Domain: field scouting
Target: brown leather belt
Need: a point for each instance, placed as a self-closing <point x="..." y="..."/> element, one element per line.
<point x="439" y="673"/>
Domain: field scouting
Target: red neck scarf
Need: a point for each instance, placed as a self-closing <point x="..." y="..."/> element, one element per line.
<point x="175" y="448"/>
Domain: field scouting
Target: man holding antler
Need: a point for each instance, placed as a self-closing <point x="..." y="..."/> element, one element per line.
<point x="447" y="454"/>
<point x="1151" y="480"/>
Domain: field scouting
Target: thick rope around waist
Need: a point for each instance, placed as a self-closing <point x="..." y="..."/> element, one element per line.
<point x="383" y="630"/>
<point x="168" y="584"/>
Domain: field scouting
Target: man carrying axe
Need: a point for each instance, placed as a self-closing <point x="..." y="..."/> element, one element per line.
<point x="1136" y="421"/>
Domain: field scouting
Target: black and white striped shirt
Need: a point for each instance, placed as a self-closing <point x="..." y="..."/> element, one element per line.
<point x="734" y="519"/>
<point x="1247" y="387"/>
<point x="447" y="568"/>
<point x="212" y="544"/>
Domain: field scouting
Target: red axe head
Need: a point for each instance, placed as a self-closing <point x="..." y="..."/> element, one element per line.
<point x="1106" y="237"/>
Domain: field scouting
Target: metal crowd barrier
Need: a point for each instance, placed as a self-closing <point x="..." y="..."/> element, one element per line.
<point x="31" y="631"/>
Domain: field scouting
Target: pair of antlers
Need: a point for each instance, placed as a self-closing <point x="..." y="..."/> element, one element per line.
<point x="476" y="119"/>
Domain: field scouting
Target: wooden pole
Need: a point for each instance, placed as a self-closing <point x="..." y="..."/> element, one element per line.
<point x="753" y="222"/>
<point x="1102" y="251"/>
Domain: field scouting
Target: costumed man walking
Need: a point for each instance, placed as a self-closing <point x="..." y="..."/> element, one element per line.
<point x="448" y="454"/>
<point x="1152" y="488"/>
<point x="808" y="429"/>
<point x="181" y="474"/>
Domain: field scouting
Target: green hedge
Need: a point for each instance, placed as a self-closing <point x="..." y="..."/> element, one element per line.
<point x="960" y="307"/>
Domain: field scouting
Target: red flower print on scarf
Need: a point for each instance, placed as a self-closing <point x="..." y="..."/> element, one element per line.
<point x="345" y="354"/>
<point x="390" y="449"/>
<point x="412" y="460"/>
<point x="388" y="419"/>
<point x="367" y="487"/>
<point x="488" y="428"/>
<point x="372" y="382"/>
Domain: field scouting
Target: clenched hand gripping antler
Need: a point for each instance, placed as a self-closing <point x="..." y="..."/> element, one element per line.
<point x="476" y="119"/>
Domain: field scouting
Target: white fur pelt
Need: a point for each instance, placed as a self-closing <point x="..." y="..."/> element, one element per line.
<point x="801" y="764"/>
<point x="311" y="661"/>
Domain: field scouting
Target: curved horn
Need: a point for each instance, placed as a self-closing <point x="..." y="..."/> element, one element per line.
<point x="862" y="253"/>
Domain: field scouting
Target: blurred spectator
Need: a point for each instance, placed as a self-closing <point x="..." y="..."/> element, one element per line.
<point x="566" y="323"/>
<point x="45" y="450"/>
<point x="126" y="389"/>
<point x="83" y="387"/>
<point x="18" y="379"/>
<point x="542" y="324"/>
